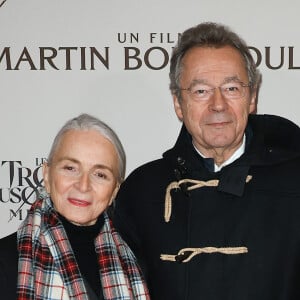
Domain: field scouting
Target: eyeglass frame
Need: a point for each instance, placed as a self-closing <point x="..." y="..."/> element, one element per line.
<point x="211" y="91"/>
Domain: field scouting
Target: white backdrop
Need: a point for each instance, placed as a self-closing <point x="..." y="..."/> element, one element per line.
<point x="46" y="75"/>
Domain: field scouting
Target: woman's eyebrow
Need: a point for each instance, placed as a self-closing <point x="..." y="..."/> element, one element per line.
<point x="76" y="161"/>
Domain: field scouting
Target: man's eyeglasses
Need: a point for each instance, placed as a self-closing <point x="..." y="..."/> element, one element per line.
<point x="230" y="90"/>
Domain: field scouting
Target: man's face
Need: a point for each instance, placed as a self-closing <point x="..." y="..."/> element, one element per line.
<point x="216" y="123"/>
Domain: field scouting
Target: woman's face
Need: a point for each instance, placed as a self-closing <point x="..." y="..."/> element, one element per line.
<point x="82" y="177"/>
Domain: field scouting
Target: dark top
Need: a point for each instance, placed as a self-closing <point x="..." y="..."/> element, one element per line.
<point x="82" y="239"/>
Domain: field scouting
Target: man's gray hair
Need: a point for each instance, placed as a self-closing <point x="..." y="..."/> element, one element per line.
<point x="209" y="34"/>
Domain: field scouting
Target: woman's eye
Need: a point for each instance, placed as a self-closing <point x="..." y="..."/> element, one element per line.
<point x="100" y="175"/>
<point x="68" y="168"/>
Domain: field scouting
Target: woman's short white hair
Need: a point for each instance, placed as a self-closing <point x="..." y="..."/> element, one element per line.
<point x="85" y="122"/>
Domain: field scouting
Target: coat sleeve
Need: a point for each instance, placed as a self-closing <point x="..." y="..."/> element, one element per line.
<point x="8" y="267"/>
<point x="124" y="211"/>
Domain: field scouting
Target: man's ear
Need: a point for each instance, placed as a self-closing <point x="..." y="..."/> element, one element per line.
<point x="253" y="103"/>
<point x="177" y="107"/>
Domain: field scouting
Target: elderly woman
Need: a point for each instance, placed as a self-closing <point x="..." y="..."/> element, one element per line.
<point x="67" y="248"/>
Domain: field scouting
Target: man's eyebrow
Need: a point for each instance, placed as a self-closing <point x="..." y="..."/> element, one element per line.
<point x="205" y="81"/>
<point x="231" y="78"/>
<point x="198" y="81"/>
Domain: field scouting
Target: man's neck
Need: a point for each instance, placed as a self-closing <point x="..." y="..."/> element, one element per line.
<point x="222" y="158"/>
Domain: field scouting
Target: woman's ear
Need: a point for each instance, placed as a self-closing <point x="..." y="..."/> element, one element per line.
<point x="114" y="194"/>
<point x="46" y="175"/>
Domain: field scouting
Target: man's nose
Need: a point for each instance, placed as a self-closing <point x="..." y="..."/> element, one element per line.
<point x="217" y="101"/>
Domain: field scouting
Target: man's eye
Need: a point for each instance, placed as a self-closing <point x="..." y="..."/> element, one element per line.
<point x="232" y="88"/>
<point x="201" y="92"/>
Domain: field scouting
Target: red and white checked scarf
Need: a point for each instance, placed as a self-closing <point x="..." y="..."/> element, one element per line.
<point x="47" y="265"/>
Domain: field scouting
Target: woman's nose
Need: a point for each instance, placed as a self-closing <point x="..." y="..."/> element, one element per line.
<point x="83" y="183"/>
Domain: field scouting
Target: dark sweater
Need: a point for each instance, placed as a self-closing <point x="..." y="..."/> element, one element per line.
<point x="82" y="241"/>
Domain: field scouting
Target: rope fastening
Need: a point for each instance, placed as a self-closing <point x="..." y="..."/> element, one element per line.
<point x="186" y="254"/>
<point x="195" y="185"/>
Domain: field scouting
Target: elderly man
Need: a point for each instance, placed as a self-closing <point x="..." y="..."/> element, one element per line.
<point x="218" y="217"/>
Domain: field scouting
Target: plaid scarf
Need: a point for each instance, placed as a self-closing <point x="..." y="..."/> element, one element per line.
<point x="48" y="268"/>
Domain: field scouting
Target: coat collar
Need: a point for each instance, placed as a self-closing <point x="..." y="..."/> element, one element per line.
<point x="269" y="140"/>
